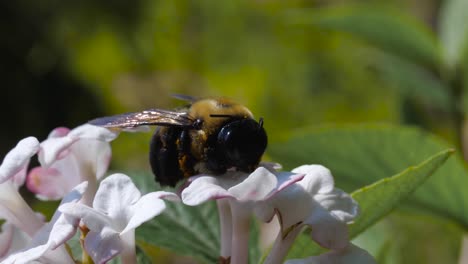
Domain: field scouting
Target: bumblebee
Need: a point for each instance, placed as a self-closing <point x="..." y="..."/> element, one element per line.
<point x="207" y="136"/>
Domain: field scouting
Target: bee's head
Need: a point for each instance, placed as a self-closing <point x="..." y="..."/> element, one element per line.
<point x="243" y="141"/>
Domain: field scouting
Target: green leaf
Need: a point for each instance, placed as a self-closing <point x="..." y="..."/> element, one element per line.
<point x="361" y="155"/>
<point x="380" y="198"/>
<point x="386" y="28"/>
<point x="453" y="29"/>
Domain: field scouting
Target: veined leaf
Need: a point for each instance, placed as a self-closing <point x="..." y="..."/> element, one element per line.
<point x="379" y="198"/>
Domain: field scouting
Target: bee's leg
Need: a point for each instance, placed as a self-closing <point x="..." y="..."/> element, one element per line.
<point x="163" y="156"/>
<point x="186" y="159"/>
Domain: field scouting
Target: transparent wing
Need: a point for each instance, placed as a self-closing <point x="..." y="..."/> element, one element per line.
<point x="148" y="117"/>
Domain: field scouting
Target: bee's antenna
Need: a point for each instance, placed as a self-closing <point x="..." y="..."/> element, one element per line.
<point x="260" y="121"/>
<point x="183" y="97"/>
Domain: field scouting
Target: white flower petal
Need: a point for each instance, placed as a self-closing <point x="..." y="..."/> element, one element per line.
<point x="103" y="246"/>
<point x="327" y="230"/>
<point x="349" y="255"/>
<point x="12" y="239"/>
<point x="146" y="208"/>
<point x="14" y="209"/>
<point x="257" y="186"/>
<point x="88" y="131"/>
<point x="47" y="242"/>
<point x="293" y="205"/>
<point x="92" y="218"/>
<point x="116" y="193"/>
<point x="312" y="201"/>
<point x="72" y="197"/>
<point x="53" y="149"/>
<point x="340" y="204"/>
<point x="18" y="158"/>
<point x="93" y="156"/>
<point x="317" y="179"/>
<point x="202" y="189"/>
<point x="27" y="256"/>
<point x="244" y="188"/>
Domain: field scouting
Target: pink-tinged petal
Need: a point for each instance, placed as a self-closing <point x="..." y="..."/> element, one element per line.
<point x="263" y="184"/>
<point x="47" y="183"/>
<point x="257" y="186"/>
<point x="351" y="254"/>
<point x="149" y="206"/>
<point x="19" y="178"/>
<point x="115" y="194"/>
<point x="88" y="131"/>
<point x="103" y="246"/>
<point x="317" y="179"/>
<point x="202" y="189"/>
<point x="340" y="204"/>
<point x="18" y="158"/>
<point x="285" y="179"/>
<point x="53" y="149"/>
<point x="59" y="132"/>
<point x="169" y="196"/>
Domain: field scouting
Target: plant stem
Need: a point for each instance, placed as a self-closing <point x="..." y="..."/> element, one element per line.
<point x="281" y="246"/>
<point x="225" y="219"/>
<point x="240" y="234"/>
<point x="128" y="254"/>
<point x="85" y="257"/>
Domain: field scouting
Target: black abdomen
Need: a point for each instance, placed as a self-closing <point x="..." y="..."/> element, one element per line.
<point x="164" y="155"/>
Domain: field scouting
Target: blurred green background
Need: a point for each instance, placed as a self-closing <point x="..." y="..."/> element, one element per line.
<point x="294" y="63"/>
<point x="64" y="63"/>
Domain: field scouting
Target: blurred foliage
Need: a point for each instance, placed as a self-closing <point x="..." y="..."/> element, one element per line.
<point x="295" y="63"/>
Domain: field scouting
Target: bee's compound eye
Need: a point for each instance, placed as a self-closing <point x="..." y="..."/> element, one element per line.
<point x="243" y="142"/>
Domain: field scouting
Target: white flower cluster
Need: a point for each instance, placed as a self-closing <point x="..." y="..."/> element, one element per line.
<point x="72" y="162"/>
